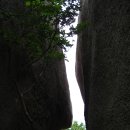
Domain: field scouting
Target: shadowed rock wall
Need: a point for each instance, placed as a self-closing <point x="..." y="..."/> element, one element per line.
<point x="32" y="97"/>
<point x="102" y="66"/>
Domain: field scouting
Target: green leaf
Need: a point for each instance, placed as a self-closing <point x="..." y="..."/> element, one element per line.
<point x="37" y="28"/>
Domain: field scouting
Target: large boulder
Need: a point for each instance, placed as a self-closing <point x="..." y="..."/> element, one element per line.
<point x="32" y="96"/>
<point x="102" y="66"/>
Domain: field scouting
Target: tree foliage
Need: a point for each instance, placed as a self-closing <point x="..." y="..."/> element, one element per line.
<point x="39" y="27"/>
<point x="76" y="126"/>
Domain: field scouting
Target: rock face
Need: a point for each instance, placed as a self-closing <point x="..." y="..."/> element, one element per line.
<point x="103" y="67"/>
<point x="32" y="96"/>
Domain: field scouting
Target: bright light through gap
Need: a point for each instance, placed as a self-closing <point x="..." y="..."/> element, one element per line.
<point x="76" y="99"/>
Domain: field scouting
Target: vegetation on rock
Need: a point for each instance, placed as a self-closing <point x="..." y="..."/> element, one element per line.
<point x="39" y="26"/>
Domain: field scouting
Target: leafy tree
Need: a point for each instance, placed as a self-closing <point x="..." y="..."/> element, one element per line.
<point x="76" y="126"/>
<point x="39" y="26"/>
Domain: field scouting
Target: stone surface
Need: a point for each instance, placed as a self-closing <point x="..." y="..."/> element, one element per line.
<point x="45" y="103"/>
<point x="32" y="96"/>
<point x="103" y="64"/>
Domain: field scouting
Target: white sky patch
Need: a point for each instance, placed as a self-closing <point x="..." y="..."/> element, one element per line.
<point x="76" y="99"/>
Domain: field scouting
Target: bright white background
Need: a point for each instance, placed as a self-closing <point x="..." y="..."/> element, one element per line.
<point x="77" y="102"/>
